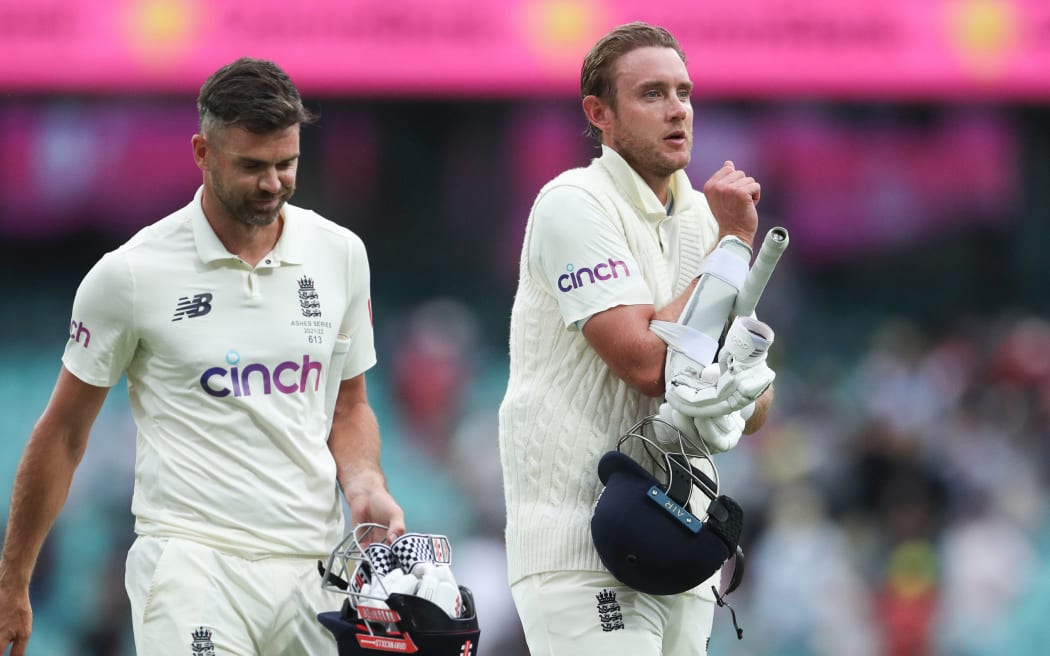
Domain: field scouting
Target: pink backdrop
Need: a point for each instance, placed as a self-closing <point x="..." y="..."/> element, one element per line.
<point x="758" y="48"/>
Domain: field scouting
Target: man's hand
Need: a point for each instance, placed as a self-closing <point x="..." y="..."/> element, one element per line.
<point x="733" y="196"/>
<point x="371" y="502"/>
<point x="713" y="393"/>
<point x="721" y="433"/>
<point x="739" y="377"/>
<point x="16" y="620"/>
<point x="718" y="434"/>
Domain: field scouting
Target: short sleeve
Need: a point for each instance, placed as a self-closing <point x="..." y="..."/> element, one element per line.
<point x="581" y="254"/>
<point x="357" y="322"/>
<point x="102" y="338"/>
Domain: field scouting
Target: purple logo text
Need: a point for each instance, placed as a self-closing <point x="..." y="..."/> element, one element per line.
<point x="576" y="278"/>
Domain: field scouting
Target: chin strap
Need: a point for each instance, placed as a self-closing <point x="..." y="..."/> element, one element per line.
<point x="739" y="565"/>
<point x="721" y="600"/>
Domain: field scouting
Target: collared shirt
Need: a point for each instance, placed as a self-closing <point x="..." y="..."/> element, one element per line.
<point x="564" y="407"/>
<point x="582" y="254"/>
<point x="228" y="367"/>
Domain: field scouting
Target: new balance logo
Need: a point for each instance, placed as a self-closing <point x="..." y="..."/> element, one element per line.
<point x="189" y="308"/>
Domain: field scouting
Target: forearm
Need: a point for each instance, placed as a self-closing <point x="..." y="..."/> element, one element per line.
<point x="40" y="489"/>
<point x="758" y="417"/>
<point x="354" y="443"/>
<point x="673" y="310"/>
<point x="355" y="446"/>
<point x="622" y="338"/>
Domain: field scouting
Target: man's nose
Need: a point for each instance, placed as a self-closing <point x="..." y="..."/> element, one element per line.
<point x="270" y="181"/>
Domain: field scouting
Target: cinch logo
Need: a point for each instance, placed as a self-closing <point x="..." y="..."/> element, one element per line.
<point x="576" y="278"/>
<point x="287" y="377"/>
<point x="78" y="330"/>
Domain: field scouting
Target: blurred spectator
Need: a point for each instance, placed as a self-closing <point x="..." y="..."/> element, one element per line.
<point x="435" y="361"/>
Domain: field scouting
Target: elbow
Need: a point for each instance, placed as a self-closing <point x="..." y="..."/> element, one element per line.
<point x="649" y="380"/>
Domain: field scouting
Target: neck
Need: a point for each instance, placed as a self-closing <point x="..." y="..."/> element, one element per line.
<point x="661" y="187"/>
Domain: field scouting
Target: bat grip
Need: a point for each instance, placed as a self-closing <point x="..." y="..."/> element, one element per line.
<point x="773" y="245"/>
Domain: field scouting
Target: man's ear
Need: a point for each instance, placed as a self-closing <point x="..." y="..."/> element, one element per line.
<point x="598" y="112"/>
<point x="200" y="151"/>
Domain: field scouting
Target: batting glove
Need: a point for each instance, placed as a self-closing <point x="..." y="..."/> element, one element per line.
<point x="731" y="384"/>
<point x="683" y="423"/>
<point x="397" y="581"/>
<point x="721" y="433"/>
<point x="437" y="585"/>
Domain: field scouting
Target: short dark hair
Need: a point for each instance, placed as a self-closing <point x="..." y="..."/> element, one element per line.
<point x="254" y="94"/>
<point x="596" y="76"/>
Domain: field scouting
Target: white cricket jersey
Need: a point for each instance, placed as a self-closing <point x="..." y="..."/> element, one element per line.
<point x="585" y="260"/>
<point x="227" y="368"/>
<point x="564" y="408"/>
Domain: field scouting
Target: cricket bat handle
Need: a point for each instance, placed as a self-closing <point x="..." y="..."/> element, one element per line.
<point x="773" y="246"/>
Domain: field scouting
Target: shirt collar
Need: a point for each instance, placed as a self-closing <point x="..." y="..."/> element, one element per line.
<point x="638" y="192"/>
<point x="288" y="248"/>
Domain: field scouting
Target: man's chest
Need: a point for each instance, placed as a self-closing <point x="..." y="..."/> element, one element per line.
<point x="229" y="315"/>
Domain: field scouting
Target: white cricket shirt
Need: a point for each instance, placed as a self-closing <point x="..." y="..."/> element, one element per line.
<point x="227" y="368"/>
<point x="583" y="258"/>
<point x="563" y="407"/>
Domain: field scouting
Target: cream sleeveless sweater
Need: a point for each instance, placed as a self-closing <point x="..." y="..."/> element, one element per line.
<point x="563" y="407"/>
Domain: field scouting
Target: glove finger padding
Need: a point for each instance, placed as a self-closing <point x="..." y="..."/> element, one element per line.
<point x="683" y="423"/>
<point x="746" y="344"/>
<point x="721" y="433"/>
<point x="438" y="585"/>
<point x="397" y="581"/>
<point x="710" y="394"/>
<point x="740" y="376"/>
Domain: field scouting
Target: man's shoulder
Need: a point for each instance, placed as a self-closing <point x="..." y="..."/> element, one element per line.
<point x="585" y="177"/>
<point x="311" y="221"/>
<point x="159" y="233"/>
<point x="590" y="185"/>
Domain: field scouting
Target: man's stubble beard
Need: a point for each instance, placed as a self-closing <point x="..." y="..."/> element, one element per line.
<point x="240" y="211"/>
<point x="643" y="156"/>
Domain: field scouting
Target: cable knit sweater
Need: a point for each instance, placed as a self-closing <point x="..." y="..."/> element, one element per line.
<point x="563" y="407"/>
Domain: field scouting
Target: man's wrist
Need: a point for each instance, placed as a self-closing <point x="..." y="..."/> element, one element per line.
<point x="13" y="579"/>
<point x="743" y="237"/>
<point x="746" y="239"/>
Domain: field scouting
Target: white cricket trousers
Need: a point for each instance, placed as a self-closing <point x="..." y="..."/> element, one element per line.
<point x="584" y="613"/>
<point x="187" y="598"/>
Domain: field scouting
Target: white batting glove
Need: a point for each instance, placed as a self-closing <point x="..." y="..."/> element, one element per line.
<point x="712" y="393"/>
<point x="746" y="344"/>
<point x="437" y="585"/>
<point x="397" y="581"/>
<point x="721" y="433"/>
<point x="682" y="422"/>
<point x="717" y="433"/>
<point x="734" y="382"/>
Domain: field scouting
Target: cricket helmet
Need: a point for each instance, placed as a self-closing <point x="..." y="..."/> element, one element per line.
<point x="664" y="537"/>
<point x="375" y="621"/>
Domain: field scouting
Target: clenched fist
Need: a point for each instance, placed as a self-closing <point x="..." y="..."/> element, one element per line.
<point x="733" y="197"/>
